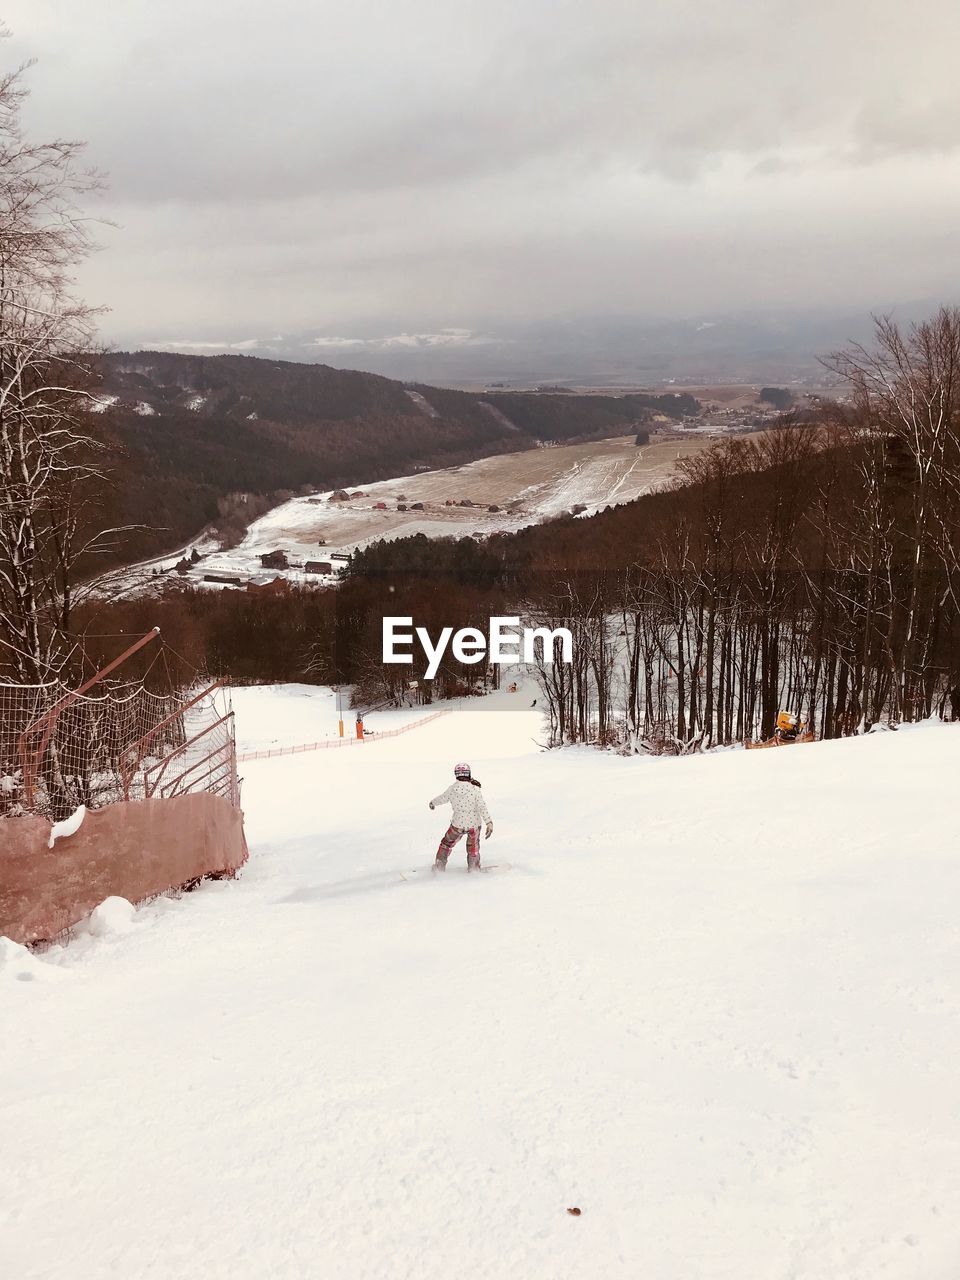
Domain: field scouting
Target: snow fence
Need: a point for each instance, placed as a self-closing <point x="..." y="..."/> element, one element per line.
<point x="133" y="849"/>
<point x="336" y="743"/>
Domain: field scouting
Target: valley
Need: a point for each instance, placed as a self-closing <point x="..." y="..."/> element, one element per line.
<point x="526" y="488"/>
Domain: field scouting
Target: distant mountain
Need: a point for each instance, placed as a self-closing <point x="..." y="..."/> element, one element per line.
<point x="605" y="351"/>
<point x="220" y="438"/>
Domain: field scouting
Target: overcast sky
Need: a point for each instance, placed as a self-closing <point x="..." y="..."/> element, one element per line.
<point x="375" y="166"/>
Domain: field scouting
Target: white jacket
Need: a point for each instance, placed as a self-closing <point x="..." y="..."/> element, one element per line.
<point x="469" y="808"/>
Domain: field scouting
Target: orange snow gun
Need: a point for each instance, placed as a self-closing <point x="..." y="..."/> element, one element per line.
<point x="789" y="726"/>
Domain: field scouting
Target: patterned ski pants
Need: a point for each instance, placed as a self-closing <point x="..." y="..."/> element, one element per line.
<point x="451" y="838"/>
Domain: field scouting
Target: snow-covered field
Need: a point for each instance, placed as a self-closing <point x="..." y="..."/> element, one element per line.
<point x="537" y="483"/>
<point x="715" y="1005"/>
<point x="543" y="482"/>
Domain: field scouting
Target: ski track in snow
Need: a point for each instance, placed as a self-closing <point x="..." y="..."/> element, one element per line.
<point x="715" y="1005"/>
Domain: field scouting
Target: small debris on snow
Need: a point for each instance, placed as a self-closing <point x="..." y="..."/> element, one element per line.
<point x="574" y="1212"/>
<point x="67" y="826"/>
<point x="113" y="916"/>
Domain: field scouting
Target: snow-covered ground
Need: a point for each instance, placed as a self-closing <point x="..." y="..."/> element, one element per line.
<point x="715" y="1005"/>
<point x="289" y="715"/>
<point x="285" y="715"/>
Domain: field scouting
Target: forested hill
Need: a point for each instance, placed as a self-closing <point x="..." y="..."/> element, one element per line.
<point x="241" y="387"/>
<point x="196" y="431"/>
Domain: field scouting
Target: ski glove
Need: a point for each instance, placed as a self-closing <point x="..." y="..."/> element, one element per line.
<point x="431" y="804"/>
<point x="489" y="830"/>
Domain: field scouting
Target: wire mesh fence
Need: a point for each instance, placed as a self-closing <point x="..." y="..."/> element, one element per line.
<point x="326" y="744"/>
<point x="60" y="749"/>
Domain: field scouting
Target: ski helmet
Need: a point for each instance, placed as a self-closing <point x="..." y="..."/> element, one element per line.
<point x="461" y="771"/>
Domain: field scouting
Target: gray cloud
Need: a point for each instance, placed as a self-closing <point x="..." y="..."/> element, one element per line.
<point x="432" y="163"/>
<point x="898" y="127"/>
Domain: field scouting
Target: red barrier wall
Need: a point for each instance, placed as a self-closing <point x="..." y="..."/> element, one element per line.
<point x="134" y="850"/>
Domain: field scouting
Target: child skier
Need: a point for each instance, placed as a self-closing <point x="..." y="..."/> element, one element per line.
<point x="469" y="814"/>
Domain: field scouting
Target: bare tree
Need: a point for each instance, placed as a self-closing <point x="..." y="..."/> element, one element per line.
<point x="907" y="395"/>
<point x="50" y="462"/>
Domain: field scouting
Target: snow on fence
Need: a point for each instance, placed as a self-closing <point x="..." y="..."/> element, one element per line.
<point x="61" y="748"/>
<point x="141" y="788"/>
<point x="328" y="743"/>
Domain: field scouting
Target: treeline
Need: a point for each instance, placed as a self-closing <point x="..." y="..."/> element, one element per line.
<point x="277" y="635"/>
<point x="545" y="416"/>
<point x="814" y="570"/>
<point x="558" y="417"/>
<point x="439" y="582"/>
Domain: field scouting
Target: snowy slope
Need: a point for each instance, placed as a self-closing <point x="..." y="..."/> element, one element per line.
<point x="288" y="715"/>
<point x="715" y="1005"/>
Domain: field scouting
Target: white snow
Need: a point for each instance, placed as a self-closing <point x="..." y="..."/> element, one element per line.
<point x="13" y="956"/>
<point x="67" y="826"/>
<point x="715" y="1005"/>
<point x="295" y="525"/>
<point x="101" y="403"/>
<point x="19" y="964"/>
<point x="196" y="402"/>
<point x="112" y="917"/>
<point x="135" y="578"/>
<point x="144" y="409"/>
<point x="290" y="715"/>
<point x="594" y="484"/>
